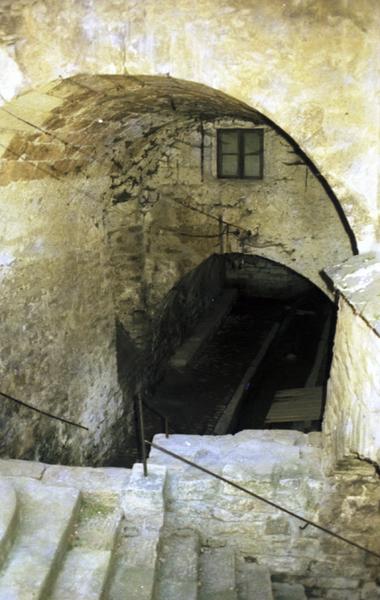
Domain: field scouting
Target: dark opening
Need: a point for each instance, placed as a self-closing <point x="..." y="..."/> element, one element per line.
<point x="264" y="364"/>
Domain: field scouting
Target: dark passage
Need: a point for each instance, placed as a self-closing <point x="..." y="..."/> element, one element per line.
<point x="287" y="388"/>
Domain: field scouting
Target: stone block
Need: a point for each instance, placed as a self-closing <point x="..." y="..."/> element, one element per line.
<point x="177" y="575"/>
<point x="83" y="576"/>
<point x="288" y="591"/>
<point x="102" y="479"/>
<point x="254" y="581"/>
<point x="8" y="517"/>
<point x="370" y="591"/>
<point x="18" y="170"/>
<point x="197" y="488"/>
<point x="135" y="564"/>
<point x="347" y="594"/>
<point x="217" y="574"/>
<point x="47" y="515"/>
<point x="143" y="497"/>
<point x="277" y="526"/>
<point x="21" y="468"/>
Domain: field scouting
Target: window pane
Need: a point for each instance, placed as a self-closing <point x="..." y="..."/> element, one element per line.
<point x="252" y="141"/>
<point x="252" y="166"/>
<point x="229" y="141"/>
<point x="229" y="165"/>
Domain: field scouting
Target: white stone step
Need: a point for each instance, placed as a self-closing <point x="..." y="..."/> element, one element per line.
<point x="177" y="569"/>
<point x="217" y="574"/>
<point x="135" y="566"/>
<point x="46" y="515"/>
<point x="84" y="575"/>
<point x="106" y="480"/>
<point x="8" y="517"/>
<point x="254" y="582"/>
<point x="136" y="555"/>
<point x="10" y="467"/>
<point x="86" y="567"/>
<point x="289" y="591"/>
<point x="98" y="523"/>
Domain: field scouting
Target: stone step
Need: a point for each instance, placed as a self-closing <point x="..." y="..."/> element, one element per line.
<point x="254" y="582"/>
<point x="136" y="556"/>
<point x="106" y="480"/>
<point x="288" y="591"/>
<point x="217" y="574"/>
<point x="84" y="576"/>
<point x="46" y="516"/>
<point x="8" y="517"/>
<point x="87" y="565"/>
<point x="177" y="571"/>
<point x="98" y="523"/>
<point x="135" y="566"/>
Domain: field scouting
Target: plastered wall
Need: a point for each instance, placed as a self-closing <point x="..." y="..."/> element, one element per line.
<point x="352" y="414"/>
<point x="109" y="200"/>
<point x="310" y="66"/>
<point x="287" y="216"/>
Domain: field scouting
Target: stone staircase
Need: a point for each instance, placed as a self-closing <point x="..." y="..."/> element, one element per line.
<point x="75" y="533"/>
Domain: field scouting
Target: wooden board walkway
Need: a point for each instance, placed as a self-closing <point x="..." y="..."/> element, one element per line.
<point x="296" y="404"/>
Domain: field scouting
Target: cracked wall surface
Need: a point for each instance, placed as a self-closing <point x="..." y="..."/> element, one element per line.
<point x="353" y="400"/>
<point x="109" y="201"/>
<point x="310" y="66"/>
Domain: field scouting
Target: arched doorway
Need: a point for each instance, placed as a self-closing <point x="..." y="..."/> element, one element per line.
<point x="111" y="194"/>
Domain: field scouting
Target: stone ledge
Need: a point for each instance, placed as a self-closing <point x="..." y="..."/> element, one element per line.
<point x="358" y="280"/>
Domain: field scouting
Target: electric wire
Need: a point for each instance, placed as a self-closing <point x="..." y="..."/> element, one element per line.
<point x="42" y="412"/>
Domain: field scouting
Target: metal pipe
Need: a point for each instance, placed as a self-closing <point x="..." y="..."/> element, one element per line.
<point x="43" y="412"/>
<point x="142" y="434"/>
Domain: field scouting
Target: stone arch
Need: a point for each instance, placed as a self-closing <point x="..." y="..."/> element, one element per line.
<point x="87" y="193"/>
<point x="323" y="95"/>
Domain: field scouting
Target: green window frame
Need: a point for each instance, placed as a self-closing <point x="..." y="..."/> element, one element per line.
<point x="240" y="153"/>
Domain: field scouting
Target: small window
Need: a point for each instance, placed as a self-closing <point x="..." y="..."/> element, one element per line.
<point x="240" y="153"/>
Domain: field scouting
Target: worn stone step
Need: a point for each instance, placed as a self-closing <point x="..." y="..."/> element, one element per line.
<point x="177" y="569"/>
<point x="254" y="582"/>
<point x="288" y="591"/>
<point x="106" y="480"/>
<point x="84" y="575"/>
<point x="136" y="556"/>
<point x="46" y="516"/>
<point x="217" y="574"/>
<point x="98" y="523"/>
<point x="135" y="566"/>
<point x="8" y="517"/>
<point x="87" y="565"/>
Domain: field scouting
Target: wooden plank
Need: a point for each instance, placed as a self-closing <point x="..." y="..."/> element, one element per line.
<point x="322" y="350"/>
<point x="288" y="411"/>
<point x="294" y="418"/>
<point x="299" y="394"/>
<point x="228" y="416"/>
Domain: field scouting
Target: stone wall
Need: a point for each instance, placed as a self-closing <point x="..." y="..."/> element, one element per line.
<point x="185" y="304"/>
<point x="58" y="325"/>
<point x="182" y="213"/>
<point x="310" y="66"/>
<point x="353" y="401"/>
<point x="109" y="200"/>
<point x="283" y="467"/>
<point x="258" y="276"/>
